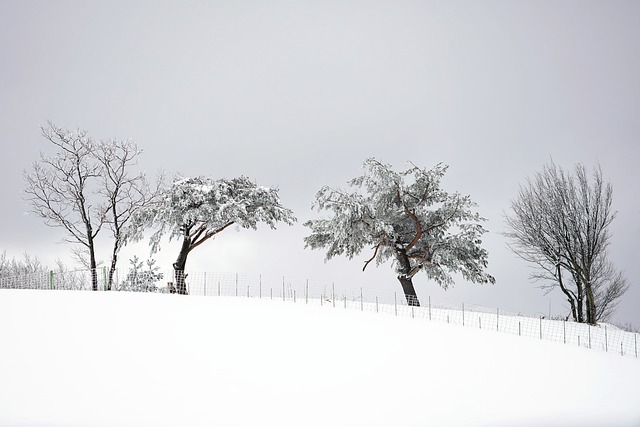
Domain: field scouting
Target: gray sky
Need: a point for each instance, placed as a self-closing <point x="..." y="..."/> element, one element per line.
<point x="297" y="94"/>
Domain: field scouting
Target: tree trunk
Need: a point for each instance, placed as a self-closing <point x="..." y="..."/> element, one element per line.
<point x="180" y="264"/>
<point x="405" y="278"/>
<point x="591" y="305"/>
<point x="112" y="268"/>
<point x="409" y="291"/>
<point x="570" y="296"/>
<point x="92" y="266"/>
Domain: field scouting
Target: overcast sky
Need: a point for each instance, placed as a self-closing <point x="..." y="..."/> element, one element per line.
<point x="297" y="94"/>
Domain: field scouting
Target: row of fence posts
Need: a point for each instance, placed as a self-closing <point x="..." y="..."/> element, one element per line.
<point x="395" y="297"/>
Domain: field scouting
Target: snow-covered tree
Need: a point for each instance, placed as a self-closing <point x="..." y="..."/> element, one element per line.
<point x="407" y="217"/>
<point x="141" y="277"/>
<point x="196" y="209"/>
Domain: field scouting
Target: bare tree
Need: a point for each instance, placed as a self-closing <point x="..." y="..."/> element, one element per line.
<point x="124" y="193"/>
<point x="59" y="188"/>
<point x="560" y="224"/>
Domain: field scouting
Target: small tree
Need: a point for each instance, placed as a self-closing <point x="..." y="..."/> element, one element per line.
<point x="407" y="217"/>
<point x="142" y="278"/>
<point x="196" y="209"/>
<point x="560" y="224"/>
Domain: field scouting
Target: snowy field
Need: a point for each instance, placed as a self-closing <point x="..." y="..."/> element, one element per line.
<point x="73" y="358"/>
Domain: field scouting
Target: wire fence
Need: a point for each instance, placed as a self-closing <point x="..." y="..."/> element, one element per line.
<point x="603" y="337"/>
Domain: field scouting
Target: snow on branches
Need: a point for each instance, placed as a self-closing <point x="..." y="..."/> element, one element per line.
<point x="404" y="216"/>
<point x="196" y="209"/>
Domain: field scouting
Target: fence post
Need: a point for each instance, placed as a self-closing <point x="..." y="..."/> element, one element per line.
<point x="218" y="288"/>
<point x="462" y="314"/>
<point x="395" y="302"/>
<point x="540" y="327"/>
<point x="564" y="331"/>
<point x="236" y="284"/>
<point x="480" y="322"/>
<point x="361" y="301"/>
<point x="294" y="295"/>
<point x="519" y="328"/>
<point x="606" y="339"/>
<point x="333" y="294"/>
<point x="345" y="301"/>
<point x="589" y="329"/>
<point x="104" y="276"/>
<point x="51" y="279"/>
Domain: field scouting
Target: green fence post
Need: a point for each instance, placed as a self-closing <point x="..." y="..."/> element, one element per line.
<point x="51" y="279"/>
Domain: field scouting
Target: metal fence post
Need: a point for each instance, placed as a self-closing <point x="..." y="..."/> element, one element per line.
<point x="333" y="294"/>
<point x="462" y="314"/>
<point x="51" y="279"/>
<point x="104" y="276"/>
<point x="541" y="328"/>
<point x="395" y="302"/>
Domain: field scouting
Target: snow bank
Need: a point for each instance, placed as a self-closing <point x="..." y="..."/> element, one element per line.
<point x="125" y="359"/>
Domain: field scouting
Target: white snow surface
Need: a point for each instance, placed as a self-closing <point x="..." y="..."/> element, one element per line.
<point x="134" y="359"/>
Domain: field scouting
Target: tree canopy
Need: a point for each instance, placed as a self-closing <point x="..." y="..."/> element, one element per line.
<point x="196" y="209"/>
<point x="404" y="216"/>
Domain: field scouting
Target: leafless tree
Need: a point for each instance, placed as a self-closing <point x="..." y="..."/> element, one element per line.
<point x="59" y="188"/>
<point x="85" y="186"/>
<point x="124" y="193"/>
<point x="559" y="223"/>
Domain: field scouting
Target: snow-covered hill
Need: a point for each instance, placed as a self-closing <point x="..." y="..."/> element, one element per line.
<point x="125" y="359"/>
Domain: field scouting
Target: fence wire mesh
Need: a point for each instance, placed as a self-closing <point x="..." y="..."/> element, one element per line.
<point x="602" y="337"/>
